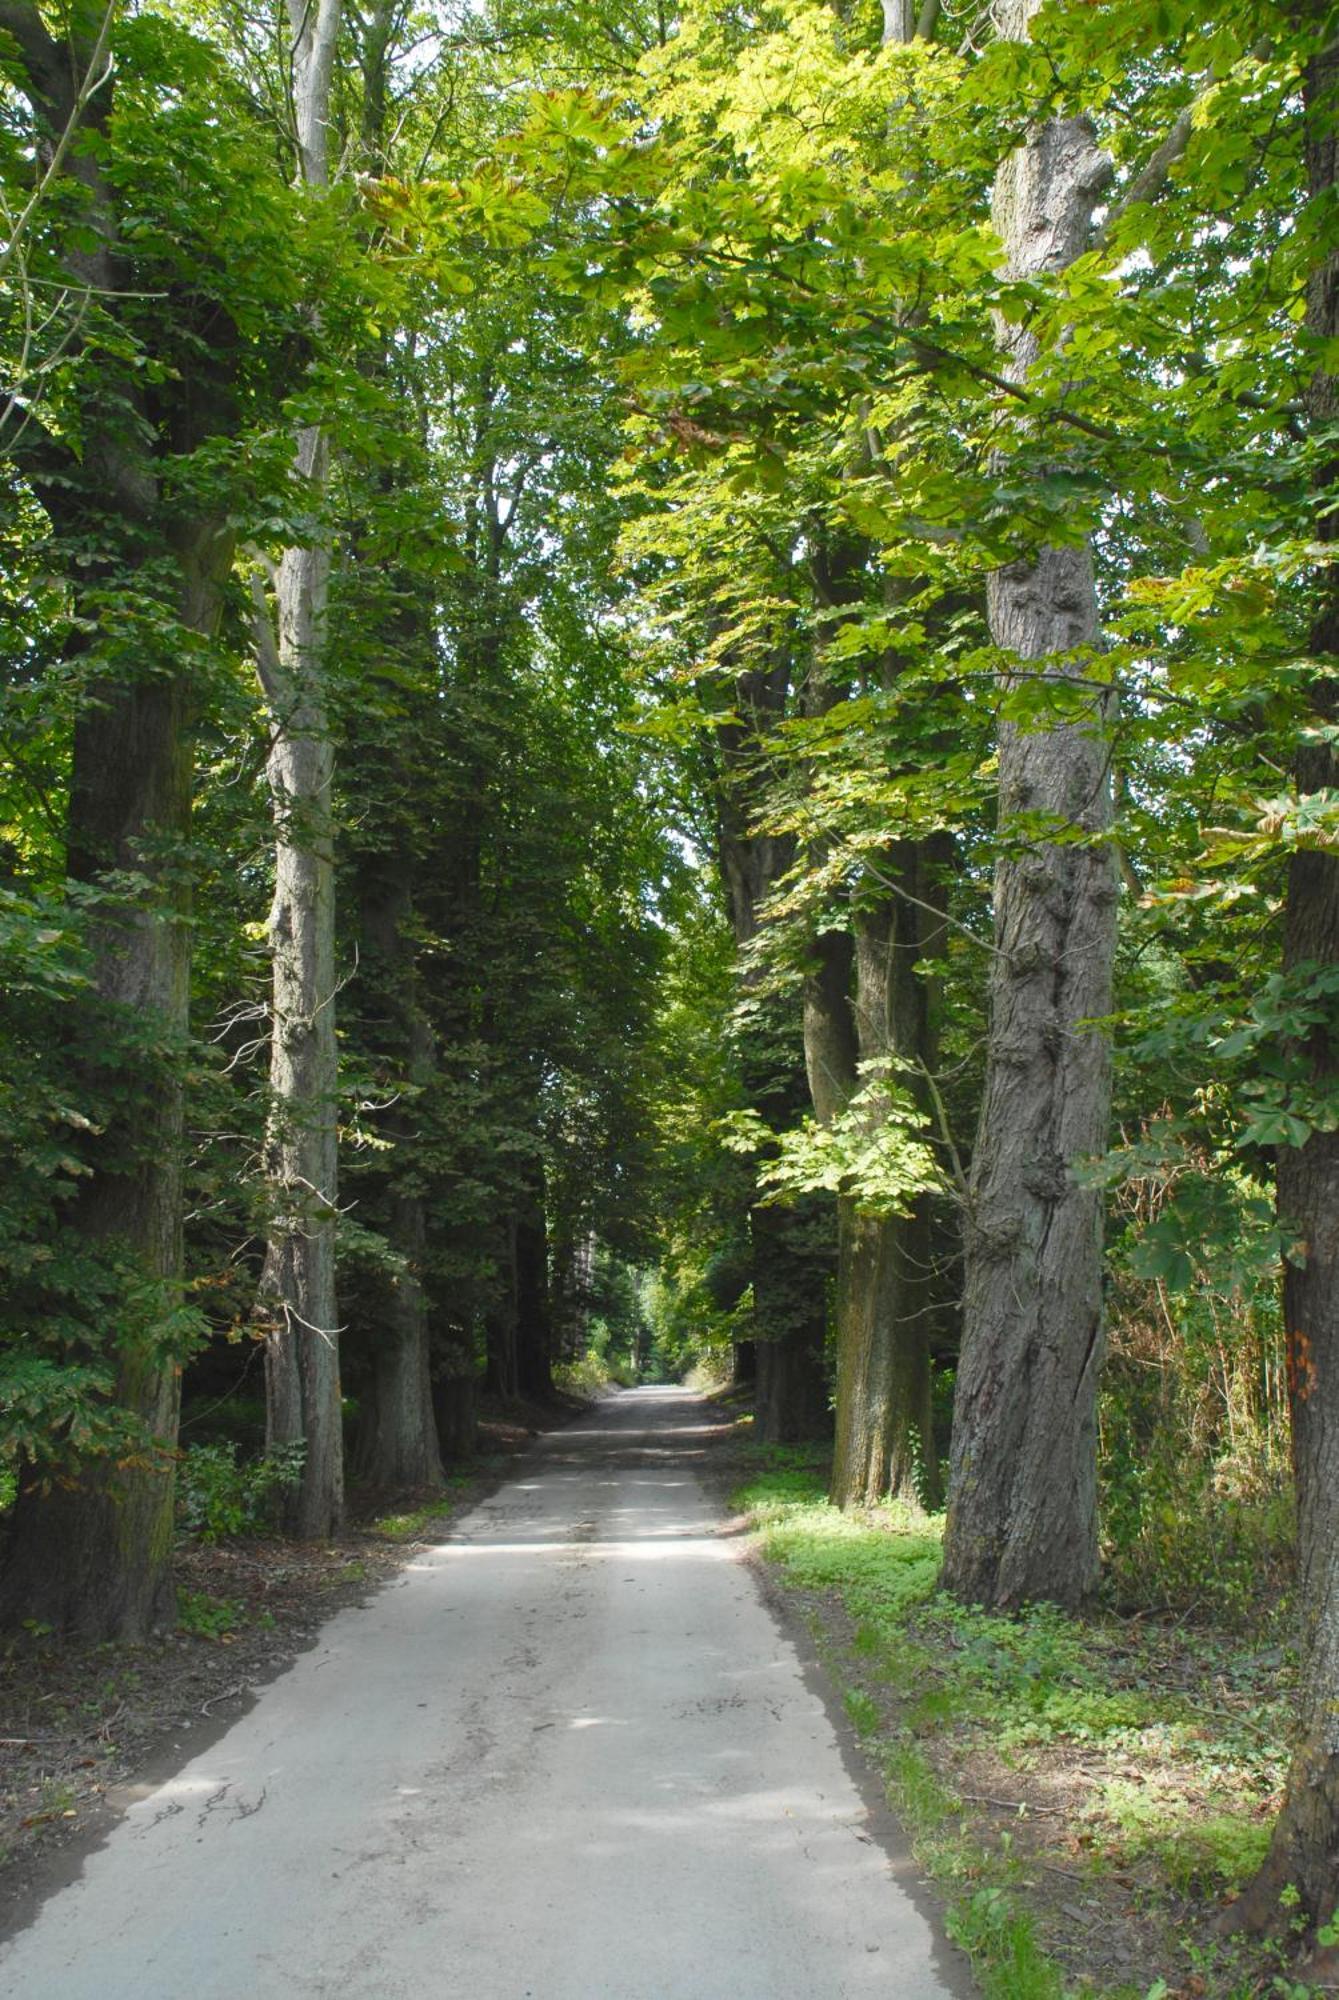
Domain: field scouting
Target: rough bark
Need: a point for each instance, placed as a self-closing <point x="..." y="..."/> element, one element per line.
<point x="94" y="1561"/>
<point x="398" y="1443"/>
<point x="296" y="1302"/>
<point x="1305" y="1846"/>
<point x="1022" y="1494"/>
<point x="791" y="1258"/>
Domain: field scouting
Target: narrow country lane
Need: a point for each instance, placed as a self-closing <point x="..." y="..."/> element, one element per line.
<point x="568" y="1755"/>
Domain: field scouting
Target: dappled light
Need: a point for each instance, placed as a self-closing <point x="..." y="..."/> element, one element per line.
<point x="669" y="969"/>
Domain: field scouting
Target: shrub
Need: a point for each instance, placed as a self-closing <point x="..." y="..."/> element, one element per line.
<point x="216" y="1496"/>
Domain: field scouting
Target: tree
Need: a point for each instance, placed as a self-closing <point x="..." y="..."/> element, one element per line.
<point x="1304" y="1851"/>
<point x="297" y="1290"/>
<point x="790" y="1255"/>
<point x="1022" y="1486"/>
<point x="130" y="465"/>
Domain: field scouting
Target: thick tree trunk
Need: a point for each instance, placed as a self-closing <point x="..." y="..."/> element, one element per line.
<point x="1022" y="1494"/>
<point x="791" y="1259"/>
<point x="882" y="1388"/>
<point x="884" y="1441"/>
<point x="743" y="1364"/>
<point x="296" y="1302"/>
<point x="1305" y="1847"/>
<point x="398" y="1441"/>
<point x="864" y="1001"/>
<point x="94" y="1561"/>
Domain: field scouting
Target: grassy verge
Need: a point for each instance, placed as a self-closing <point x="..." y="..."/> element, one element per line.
<point x="408" y="1525"/>
<point x="1087" y="1793"/>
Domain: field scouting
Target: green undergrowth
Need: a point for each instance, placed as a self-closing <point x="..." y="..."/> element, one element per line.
<point x="1061" y="1779"/>
<point x="591" y="1373"/>
<point x="409" y="1524"/>
<point x="208" y="1617"/>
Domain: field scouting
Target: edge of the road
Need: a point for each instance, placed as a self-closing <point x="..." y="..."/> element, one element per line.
<point x="46" y="1874"/>
<point x="64" y="1865"/>
<point x="951" y="1964"/>
<point x="883" y="1827"/>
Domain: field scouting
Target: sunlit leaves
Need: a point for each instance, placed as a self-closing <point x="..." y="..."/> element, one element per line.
<point x="875" y="1152"/>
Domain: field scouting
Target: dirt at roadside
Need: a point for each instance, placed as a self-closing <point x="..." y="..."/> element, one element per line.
<point x="79" y="1725"/>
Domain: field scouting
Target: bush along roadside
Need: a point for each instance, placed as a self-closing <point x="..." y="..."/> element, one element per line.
<point x="1087" y="1793"/>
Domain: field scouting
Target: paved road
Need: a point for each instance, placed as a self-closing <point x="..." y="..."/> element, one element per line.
<point x="569" y="1755"/>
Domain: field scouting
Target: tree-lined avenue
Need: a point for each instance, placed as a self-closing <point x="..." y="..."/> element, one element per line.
<point x="568" y="1755"/>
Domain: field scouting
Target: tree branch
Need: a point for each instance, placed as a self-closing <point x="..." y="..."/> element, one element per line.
<point x="269" y="666"/>
<point x="1149" y="182"/>
<point x="96" y="74"/>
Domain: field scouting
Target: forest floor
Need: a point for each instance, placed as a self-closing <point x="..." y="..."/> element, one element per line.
<point x="1087" y="1794"/>
<point x="79" y="1725"/>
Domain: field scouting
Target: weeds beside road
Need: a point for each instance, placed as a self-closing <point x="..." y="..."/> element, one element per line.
<point x="1087" y="1793"/>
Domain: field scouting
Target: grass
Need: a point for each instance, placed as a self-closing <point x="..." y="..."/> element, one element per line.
<point x="409" y="1525"/>
<point x="1085" y="1791"/>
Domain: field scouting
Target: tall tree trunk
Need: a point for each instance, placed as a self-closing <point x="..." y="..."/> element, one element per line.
<point x="297" y="1302"/>
<point x="502" y="1373"/>
<point x="397" y="1439"/>
<point x="1022" y="1493"/>
<point x="864" y="1001"/>
<point x="455" y="1401"/>
<point x="789" y="1260"/>
<point x="885" y="1433"/>
<point x="93" y="1560"/>
<point x="534" y="1319"/>
<point x="1305" y="1846"/>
